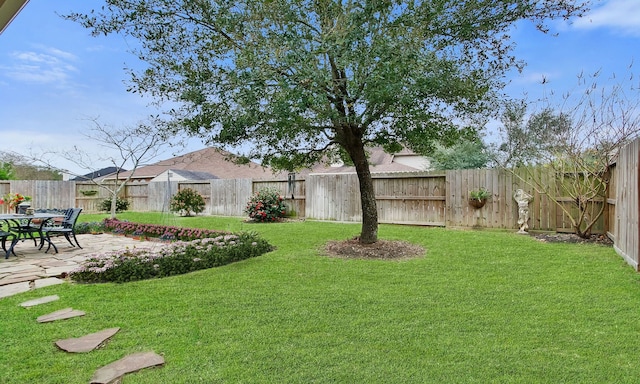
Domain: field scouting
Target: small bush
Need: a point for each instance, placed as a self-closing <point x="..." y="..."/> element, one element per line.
<point x="121" y="205"/>
<point x="266" y="205"/>
<point x="89" y="227"/>
<point x="173" y="259"/>
<point x="186" y="201"/>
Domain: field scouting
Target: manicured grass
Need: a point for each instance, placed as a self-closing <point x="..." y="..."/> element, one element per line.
<point x="481" y="306"/>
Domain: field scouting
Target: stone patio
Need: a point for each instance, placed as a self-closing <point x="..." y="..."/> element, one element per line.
<point x="33" y="268"/>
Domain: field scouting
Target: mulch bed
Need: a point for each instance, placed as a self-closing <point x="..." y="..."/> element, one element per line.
<point x="382" y="250"/>
<point x="572" y="238"/>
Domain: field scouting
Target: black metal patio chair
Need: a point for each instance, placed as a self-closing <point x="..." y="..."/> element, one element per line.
<point x="66" y="229"/>
<point x="26" y="227"/>
<point x="5" y="234"/>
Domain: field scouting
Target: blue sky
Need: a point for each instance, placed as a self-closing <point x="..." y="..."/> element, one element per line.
<point x="54" y="76"/>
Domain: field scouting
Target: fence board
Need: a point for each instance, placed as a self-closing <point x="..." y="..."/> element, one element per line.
<point x="627" y="187"/>
<point x="612" y="222"/>
<point x="229" y="197"/>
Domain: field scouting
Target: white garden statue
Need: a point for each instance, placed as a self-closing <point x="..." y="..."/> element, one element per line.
<point x="523" y="199"/>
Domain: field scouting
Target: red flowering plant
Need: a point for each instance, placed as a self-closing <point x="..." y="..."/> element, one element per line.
<point x="266" y="205"/>
<point x="162" y="232"/>
<point x="14" y="199"/>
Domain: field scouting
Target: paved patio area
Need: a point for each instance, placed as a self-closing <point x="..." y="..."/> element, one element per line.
<point x="33" y="268"/>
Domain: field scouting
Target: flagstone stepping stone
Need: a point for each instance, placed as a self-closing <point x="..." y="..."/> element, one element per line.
<point x="42" y="300"/>
<point x="47" y="282"/>
<point x="62" y="314"/>
<point x="19" y="279"/>
<point x="132" y="363"/>
<point x="88" y="342"/>
<point x="12" y="289"/>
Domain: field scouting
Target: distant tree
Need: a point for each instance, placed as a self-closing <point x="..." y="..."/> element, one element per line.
<point x="298" y="79"/>
<point x="467" y="154"/>
<point x="6" y="171"/>
<point x="30" y="172"/>
<point x="16" y="166"/>
<point x="530" y="140"/>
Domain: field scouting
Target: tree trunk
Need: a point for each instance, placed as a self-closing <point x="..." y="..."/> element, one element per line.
<point x="369" y="233"/>
<point x="114" y="201"/>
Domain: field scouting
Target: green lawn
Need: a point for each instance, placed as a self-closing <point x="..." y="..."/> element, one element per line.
<point x="481" y="306"/>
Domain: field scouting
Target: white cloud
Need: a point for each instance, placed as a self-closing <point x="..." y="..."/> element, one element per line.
<point x="620" y="15"/>
<point x="45" y="66"/>
<point x="61" y="54"/>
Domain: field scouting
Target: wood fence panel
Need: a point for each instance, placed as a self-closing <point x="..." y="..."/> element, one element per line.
<point x="627" y="205"/>
<point x="410" y="198"/>
<point x="296" y="198"/>
<point x="333" y="197"/>
<point x="160" y="194"/>
<point x="89" y="196"/>
<point x="45" y="193"/>
<point x="229" y="197"/>
<point x="459" y="184"/>
<point x="137" y="195"/>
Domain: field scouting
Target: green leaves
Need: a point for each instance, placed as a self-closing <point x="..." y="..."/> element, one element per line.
<point x="276" y="69"/>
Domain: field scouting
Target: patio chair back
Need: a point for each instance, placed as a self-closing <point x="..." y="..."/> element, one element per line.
<point x="71" y="217"/>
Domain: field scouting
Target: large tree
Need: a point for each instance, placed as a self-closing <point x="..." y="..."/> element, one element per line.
<point x="298" y="79"/>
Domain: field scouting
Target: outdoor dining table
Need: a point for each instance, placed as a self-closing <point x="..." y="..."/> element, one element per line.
<point x="23" y="220"/>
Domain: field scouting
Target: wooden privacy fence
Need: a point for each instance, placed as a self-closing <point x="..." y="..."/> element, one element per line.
<point x="434" y="199"/>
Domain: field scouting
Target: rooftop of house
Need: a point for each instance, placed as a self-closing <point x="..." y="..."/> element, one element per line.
<point x="213" y="161"/>
<point x="101" y="173"/>
<point x="379" y="161"/>
<point x="193" y="175"/>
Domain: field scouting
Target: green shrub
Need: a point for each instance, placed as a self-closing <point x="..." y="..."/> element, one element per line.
<point x="89" y="227"/>
<point x="186" y="201"/>
<point x="266" y="205"/>
<point x="171" y="259"/>
<point x="121" y="205"/>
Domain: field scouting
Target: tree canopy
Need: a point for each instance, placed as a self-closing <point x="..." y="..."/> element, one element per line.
<point x="297" y="79"/>
<point x="466" y="154"/>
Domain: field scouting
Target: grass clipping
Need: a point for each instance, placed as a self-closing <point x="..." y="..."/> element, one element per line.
<point x="380" y="250"/>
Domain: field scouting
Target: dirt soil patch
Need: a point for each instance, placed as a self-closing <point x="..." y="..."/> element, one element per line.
<point x="572" y="238"/>
<point x="382" y="250"/>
